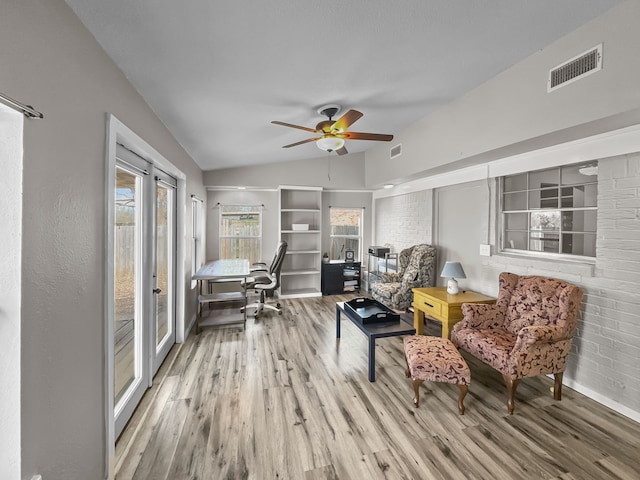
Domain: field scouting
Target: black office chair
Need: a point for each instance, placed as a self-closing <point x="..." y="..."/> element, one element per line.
<point x="265" y="282"/>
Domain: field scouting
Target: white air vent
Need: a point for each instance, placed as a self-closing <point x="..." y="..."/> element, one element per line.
<point x="576" y="68"/>
<point x="396" y="151"/>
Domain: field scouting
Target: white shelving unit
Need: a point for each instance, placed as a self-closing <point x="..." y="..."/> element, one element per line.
<point x="300" y="275"/>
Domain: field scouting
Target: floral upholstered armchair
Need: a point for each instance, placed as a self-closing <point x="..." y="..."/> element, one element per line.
<point x="528" y="332"/>
<point x="415" y="269"/>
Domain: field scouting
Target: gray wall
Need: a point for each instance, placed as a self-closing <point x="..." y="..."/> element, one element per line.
<point x="604" y="358"/>
<point x="49" y="60"/>
<point x="269" y="198"/>
<point x="342" y="179"/>
<point x="270" y="212"/>
<point x="513" y="112"/>
<point x="461" y="217"/>
<point x="329" y="171"/>
<point x="348" y="200"/>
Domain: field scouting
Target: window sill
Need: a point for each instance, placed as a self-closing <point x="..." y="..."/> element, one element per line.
<point x="573" y="267"/>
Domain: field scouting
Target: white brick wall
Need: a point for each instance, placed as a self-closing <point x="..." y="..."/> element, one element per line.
<point x="604" y="361"/>
<point x="404" y="220"/>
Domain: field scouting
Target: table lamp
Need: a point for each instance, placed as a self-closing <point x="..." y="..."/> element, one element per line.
<point x="452" y="270"/>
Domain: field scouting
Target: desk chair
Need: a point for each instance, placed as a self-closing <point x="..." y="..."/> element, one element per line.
<point x="265" y="282"/>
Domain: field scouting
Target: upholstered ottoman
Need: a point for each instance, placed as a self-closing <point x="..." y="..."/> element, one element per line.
<point x="435" y="359"/>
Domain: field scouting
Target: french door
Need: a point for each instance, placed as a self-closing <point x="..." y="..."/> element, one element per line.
<point x="144" y="278"/>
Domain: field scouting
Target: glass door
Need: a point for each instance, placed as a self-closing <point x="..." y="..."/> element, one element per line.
<point x="129" y="375"/>
<point x="144" y="279"/>
<point x="164" y="335"/>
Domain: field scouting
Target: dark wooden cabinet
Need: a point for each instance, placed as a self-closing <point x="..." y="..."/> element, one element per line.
<point x="340" y="277"/>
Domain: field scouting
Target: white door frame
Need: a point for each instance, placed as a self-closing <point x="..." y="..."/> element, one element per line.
<point x="11" y="152"/>
<point x="116" y="133"/>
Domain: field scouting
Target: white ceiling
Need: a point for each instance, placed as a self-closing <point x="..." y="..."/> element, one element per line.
<point x="218" y="72"/>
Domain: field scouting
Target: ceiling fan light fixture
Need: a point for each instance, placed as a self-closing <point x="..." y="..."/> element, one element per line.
<point x="330" y="143"/>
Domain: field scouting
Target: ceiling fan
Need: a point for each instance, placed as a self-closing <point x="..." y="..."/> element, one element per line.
<point x="333" y="134"/>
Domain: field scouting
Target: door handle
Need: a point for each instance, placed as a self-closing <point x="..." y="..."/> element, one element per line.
<point x="157" y="290"/>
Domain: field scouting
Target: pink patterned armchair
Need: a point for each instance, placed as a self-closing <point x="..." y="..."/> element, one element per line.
<point x="528" y="332"/>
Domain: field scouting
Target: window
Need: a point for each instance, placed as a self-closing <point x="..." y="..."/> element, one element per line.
<point x="241" y="232"/>
<point x="552" y="211"/>
<point x="345" y="232"/>
<point x="196" y="237"/>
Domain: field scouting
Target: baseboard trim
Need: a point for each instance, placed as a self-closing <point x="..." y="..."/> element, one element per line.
<point x="607" y="402"/>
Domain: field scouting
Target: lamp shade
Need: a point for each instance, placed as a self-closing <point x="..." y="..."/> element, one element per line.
<point x="453" y="270"/>
<point x="330" y="143"/>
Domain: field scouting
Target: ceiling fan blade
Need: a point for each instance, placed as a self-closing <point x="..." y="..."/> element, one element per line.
<point x="381" y="137"/>
<point x="346" y="120"/>
<point x="307" y="129"/>
<point x="301" y="142"/>
<point x="342" y="151"/>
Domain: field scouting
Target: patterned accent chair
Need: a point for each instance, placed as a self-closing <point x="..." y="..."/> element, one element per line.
<point x="528" y="332"/>
<point x="415" y="269"/>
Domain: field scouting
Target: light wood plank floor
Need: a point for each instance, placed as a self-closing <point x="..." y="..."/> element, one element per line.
<point x="283" y="400"/>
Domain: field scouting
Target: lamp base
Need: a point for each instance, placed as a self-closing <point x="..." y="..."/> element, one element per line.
<point x="452" y="286"/>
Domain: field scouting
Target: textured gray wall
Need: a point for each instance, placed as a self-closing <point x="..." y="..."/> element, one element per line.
<point x="49" y="60"/>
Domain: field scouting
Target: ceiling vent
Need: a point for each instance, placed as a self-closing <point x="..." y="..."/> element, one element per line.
<point x="576" y="68"/>
<point x="396" y="151"/>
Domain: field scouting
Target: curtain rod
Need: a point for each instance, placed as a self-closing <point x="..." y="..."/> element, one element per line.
<point x="196" y="198"/>
<point x="237" y="205"/>
<point x="27" y="110"/>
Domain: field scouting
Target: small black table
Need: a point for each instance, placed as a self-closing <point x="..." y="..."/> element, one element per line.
<point x="373" y="331"/>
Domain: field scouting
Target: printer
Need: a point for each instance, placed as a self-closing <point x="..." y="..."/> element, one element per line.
<point x="378" y="251"/>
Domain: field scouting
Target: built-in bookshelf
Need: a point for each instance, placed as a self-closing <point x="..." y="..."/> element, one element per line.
<point x="301" y="227"/>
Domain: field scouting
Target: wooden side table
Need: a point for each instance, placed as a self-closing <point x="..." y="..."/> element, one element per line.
<point x="436" y="303"/>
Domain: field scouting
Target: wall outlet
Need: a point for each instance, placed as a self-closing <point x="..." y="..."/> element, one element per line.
<point x="485" y="250"/>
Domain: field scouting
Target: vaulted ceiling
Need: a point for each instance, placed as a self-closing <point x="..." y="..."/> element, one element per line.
<point x="218" y="72"/>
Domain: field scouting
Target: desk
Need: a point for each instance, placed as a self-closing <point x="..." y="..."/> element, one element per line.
<point x="373" y="331"/>
<point x="227" y="269"/>
<point x="436" y="303"/>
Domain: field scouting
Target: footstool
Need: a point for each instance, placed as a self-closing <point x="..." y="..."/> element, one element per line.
<point x="435" y="359"/>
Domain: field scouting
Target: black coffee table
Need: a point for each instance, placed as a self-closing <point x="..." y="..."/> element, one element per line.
<point x="373" y="331"/>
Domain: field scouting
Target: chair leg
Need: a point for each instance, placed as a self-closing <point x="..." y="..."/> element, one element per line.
<point x="416" y="392"/>
<point x="512" y="384"/>
<point x="407" y="373"/>
<point x="261" y="305"/>
<point x="557" y="386"/>
<point x="463" y="393"/>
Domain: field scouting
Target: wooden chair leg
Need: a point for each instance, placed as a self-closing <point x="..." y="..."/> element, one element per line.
<point x="557" y="386"/>
<point x="416" y="392"/>
<point x="407" y="373"/>
<point x="463" y="393"/>
<point x="512" y="384"/>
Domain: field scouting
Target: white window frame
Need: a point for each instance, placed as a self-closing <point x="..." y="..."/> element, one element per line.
<point x="529" y="210"/>
<point x="223" y="237"/>
<point x="197" y="244"/>
<point x="356" y="237"/>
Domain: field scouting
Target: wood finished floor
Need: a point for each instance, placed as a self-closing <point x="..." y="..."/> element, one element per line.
<point x="283" y="400"/>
